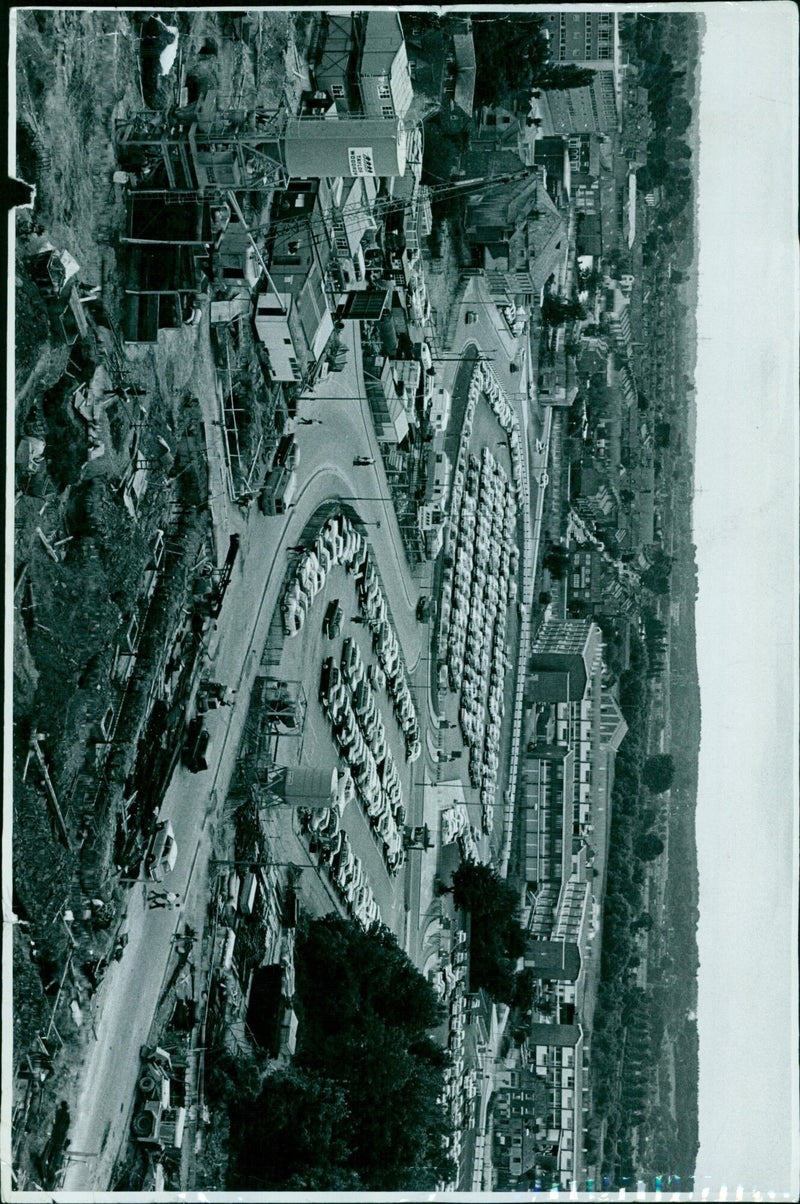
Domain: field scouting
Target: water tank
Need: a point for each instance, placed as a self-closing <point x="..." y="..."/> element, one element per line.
<point x="307" y="787"/>
<point x="349" y="146"/>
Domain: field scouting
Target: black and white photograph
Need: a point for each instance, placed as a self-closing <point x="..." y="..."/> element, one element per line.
<point x="401" y="577"/>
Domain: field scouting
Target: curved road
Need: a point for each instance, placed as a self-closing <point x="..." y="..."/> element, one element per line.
<point x="129" y="994"/>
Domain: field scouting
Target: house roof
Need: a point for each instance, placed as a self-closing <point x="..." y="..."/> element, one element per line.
<point x="384" y="54"/>
<point x="464" y="51"/>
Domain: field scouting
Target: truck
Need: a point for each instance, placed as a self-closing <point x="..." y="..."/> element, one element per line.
<point x="160" y="1116"/>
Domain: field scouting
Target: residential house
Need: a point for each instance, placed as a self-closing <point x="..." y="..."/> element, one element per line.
<point x="273" y="332"/>
<point x="351" y="222"/>
<point x="383" y="74"/>
<point x="336" y="66"/>
<point x="518" y="236"/>
<point x="520" y="1105"/>
<point x="438" y="471"/>
<point x="617" y="320"/>
<point x="497" y="129"/>
<point x="297" y="238"/>
<point x="442" y="66"/>
<point x="588" y="224"/>
<point x="592" y="583"/>
<point x="440" y="409"/>
<point x="431" y="514"/>
<point x="637" y="125"/>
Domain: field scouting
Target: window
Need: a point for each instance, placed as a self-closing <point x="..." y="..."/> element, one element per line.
<point x="491" y="119"/>
<point x="337" y="91"/>
<point x="299" y="202"/>
<point x="384" y="92"/>
<point x="387" y="111"/>
<point x="288" y="342"/>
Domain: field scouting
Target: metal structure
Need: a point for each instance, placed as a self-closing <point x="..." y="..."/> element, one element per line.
<point x="283" y="706"/>
<point x="201" y="148"/>
<point x="205" y="149"/>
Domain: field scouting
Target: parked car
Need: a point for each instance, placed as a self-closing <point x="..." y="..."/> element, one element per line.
<point x="197" y="747"/>
<point x="162" y="852"/>
<point x="332" y="623"/>
<point x="329" y="678"/>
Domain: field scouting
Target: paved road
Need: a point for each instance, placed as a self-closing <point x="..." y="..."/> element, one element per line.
<point x="128" y="997"/>
<point x="130" y="993"/>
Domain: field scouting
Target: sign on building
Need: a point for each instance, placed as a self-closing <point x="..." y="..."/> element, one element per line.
<point x="362" y="161"/>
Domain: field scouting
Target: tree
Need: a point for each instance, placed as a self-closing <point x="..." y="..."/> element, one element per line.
<point x="511" y="54"/>
<point x="656" y="577"/>
<point x="556" y="561"/>
<point x="649" y="847"/>
<point x="658" y="773"/>
<point x="496" y="938"/>
<point x="556" y="310"/>
<point x="480" y="890"/>
<point x="562" y="76"/>
<point x="297" y="1132"/>
<point x="359" y="1110"/>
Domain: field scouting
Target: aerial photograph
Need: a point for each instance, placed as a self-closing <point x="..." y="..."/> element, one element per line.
<point x="403" y="452"/>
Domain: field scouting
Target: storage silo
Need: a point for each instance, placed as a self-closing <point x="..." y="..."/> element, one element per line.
<point x="348" y="146"/>
<point x="307" y="787"/>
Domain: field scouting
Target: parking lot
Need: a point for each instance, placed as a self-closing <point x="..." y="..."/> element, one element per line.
<point x="300" y="663"/>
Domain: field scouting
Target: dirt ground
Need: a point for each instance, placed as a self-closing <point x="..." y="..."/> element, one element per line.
<point x="77" y="74"/>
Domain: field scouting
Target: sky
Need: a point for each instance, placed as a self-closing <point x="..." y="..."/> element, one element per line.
<point x="746" y="533"/>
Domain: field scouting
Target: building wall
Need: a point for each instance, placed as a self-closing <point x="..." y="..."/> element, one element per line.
<point x="582" y="37"/>
<point x="272" y="329"/>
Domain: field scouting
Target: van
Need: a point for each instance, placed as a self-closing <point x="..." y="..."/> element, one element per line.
<point x="286" y="454"/>
<point x="276" y="495"/>
<point x="163" y="852"/>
